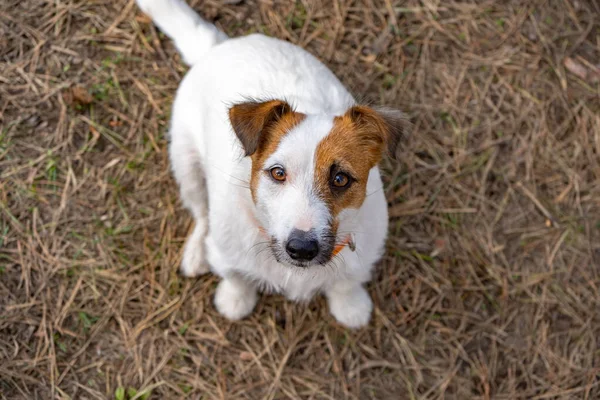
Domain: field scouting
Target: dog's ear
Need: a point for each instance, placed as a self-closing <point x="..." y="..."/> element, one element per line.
<point x="251" y="119"/>
<point x="384" y="126"/>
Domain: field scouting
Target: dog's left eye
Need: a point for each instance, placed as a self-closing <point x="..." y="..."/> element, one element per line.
<point x="278" y="174"/>
<point x="340" y="180"/>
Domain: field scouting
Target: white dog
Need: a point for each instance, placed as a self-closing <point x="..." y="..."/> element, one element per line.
<point x="278" y="165"/>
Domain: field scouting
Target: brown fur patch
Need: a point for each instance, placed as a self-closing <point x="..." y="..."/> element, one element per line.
<point x="355" y="144"/>
<point x="260" y="127"/>
<point x="250" y="121"/>
<point x="276" y="133"/>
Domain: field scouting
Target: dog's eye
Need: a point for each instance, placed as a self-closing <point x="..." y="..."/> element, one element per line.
<point x="278" y="174"/>
<point x="340" y="180"/>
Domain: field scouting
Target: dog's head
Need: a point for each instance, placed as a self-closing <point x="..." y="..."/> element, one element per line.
<point x="308" y="169"/>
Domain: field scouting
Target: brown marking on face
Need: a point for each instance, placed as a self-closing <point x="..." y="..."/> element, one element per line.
<point x="260" y="127"/>
<point x="355" y="144"/>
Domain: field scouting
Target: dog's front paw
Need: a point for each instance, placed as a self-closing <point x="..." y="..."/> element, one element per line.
<point x="193" y="262"/>
<point x="235" y="299"/>
<point x="351" y="307"/>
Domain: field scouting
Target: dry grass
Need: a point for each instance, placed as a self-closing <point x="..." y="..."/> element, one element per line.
<point x="490" y="287"/>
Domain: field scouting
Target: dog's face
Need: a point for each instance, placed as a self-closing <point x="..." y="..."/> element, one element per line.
<point x="308" y="169"/>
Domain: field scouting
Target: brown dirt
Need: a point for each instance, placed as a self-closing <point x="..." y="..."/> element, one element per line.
<point x="490" y="286"/>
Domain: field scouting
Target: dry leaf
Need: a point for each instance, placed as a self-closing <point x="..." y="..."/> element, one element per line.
<point x="77" y="95"/>
<point x="438" y="246"/>
<point x="575" y="68"/>
<point x="143" y="18"/>
<point x="81" y="95"/>
<point x="67" y="96"/>
<point x="370" y="58"/>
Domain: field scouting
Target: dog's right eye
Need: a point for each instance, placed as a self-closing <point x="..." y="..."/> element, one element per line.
<point x="278" y="174"/>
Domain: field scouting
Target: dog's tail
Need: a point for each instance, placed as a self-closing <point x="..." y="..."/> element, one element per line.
<point x="192" y="35"/>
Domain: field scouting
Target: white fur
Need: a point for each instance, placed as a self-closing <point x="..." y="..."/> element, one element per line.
<point x="235" y="298"/>
<point x="213" y="175"/>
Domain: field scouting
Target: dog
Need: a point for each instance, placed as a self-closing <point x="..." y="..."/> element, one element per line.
<point x="279" y="166"/>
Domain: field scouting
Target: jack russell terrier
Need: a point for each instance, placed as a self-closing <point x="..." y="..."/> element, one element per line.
<point x="278" y="165"/>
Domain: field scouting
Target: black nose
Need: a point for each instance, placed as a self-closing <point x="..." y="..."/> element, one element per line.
<point x="301" y="246"/>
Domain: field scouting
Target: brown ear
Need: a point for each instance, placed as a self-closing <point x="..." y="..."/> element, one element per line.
<point x="385" y="126"/>
<point x="250" y="120"/>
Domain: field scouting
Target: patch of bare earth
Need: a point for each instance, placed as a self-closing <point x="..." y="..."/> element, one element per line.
<point x="490" y="285"/>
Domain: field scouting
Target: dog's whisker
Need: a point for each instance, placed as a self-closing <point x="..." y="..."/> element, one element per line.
<point x="375" y="191"/>
<point x="227" y="174"/>
<point x="263" y="250"/>
<point x="265" y="243"/>
<point x="241" y="186"/>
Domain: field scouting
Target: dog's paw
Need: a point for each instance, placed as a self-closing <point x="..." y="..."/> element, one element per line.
<point x="235" y="300"/>
<point x="351" y="308"/>
<point x="194" y="262"/>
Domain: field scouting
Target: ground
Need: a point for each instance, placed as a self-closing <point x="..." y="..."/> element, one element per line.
<point x="490" y="284"/>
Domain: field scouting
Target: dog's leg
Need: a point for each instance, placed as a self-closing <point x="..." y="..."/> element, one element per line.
<point x="189" y="174"/>
<point x="235" y="298"/>
<point x="193" y="262"/>
<point x="349" y="303"/>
